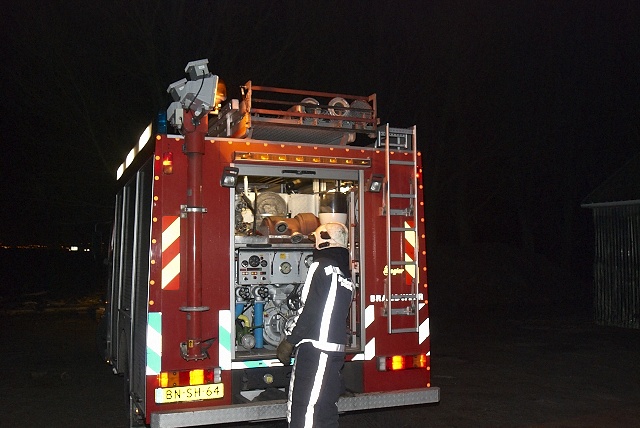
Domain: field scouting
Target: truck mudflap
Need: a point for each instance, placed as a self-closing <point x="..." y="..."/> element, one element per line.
<point x="277" y="409"/>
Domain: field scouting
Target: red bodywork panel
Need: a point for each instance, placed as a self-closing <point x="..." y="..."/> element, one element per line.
<point x="169" y="194"/>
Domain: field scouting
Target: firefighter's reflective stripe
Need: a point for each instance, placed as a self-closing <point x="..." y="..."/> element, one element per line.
<point x="409" y="246"/>
<point x="170" y="252"/>
<point x="154" y="343"/>
<point x="224" y="339"/>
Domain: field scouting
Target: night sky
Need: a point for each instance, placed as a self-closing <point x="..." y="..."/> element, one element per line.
<point x="522" y="107"/>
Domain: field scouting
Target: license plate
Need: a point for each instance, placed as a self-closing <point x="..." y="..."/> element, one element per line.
<point x="189" y="393"/>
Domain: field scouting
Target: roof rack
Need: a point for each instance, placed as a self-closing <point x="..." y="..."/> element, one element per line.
<point x="279" y="114"/>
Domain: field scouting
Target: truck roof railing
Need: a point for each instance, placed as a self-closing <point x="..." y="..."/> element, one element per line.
<point x="400" y="139"/>
<point x="280" y="114"/>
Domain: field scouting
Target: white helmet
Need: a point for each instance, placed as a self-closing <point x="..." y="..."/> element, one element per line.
<point x="331" y="235"/>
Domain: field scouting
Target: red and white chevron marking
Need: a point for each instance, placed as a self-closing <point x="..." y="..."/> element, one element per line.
<point x="170" y="253"/>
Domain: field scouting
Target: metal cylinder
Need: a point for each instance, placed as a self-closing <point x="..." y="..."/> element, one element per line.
<point x="258" y="321"/>
<point x="195" y="131"/>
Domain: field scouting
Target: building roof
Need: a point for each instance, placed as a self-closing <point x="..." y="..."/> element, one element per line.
<point x="621" y="188"/>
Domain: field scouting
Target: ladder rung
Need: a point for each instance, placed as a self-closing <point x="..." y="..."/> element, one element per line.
<point x="401" y="311"/>
<point x="395" y="162"/>
<point x="407" y="212"/>
<point x="397" y="144"/>
<point x="404" y="330"/>
<point x="406" y="297"/>
<point x="402" y="229"/>
<point x="403" y="263"/>
<point x="395" y="132"/>
<point x="402" y="195"/>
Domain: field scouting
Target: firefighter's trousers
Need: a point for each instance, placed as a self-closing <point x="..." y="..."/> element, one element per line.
<point x="316" y="385"/>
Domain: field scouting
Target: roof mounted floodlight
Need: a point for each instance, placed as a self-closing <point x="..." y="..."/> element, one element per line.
<point x="200" y="94"/>
<point x="175" y="114"/>
<point x="178" y="89"/>
<point x="197" y="69"/>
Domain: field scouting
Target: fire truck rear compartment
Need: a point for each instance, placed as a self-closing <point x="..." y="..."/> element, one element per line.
<point x="275" y="213"/>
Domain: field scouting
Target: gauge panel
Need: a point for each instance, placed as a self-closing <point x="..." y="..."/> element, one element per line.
<point x="285" y="268"/>
<point x="276" y="266"/>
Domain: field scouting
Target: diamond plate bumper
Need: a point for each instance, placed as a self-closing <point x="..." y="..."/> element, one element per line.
<point x="269" y="410"/>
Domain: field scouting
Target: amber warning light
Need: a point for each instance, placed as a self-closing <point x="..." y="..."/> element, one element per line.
<point x="190" y="377"/>
<point x="189" y="385"/>
<point x="167" y="162"/>
<point x="301" y="159"/>
<point x="402" y="362"/>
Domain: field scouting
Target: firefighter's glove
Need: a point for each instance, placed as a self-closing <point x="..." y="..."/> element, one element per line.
<point x="284" y="352"/>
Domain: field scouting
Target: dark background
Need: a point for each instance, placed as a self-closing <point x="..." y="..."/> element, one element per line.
<point x="522" y="108"/>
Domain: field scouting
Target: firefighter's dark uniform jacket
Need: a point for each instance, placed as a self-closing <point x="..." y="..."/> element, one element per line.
<point x="320" y="336"/>
<point x="326" y="298"/>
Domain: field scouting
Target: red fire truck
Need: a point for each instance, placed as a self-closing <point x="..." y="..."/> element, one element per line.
<point x="211" y="244"/>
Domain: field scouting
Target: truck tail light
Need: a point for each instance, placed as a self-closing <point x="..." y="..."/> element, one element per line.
<point x="402" y="362"/>
<point x="167" y="162"/>
<point x="189" y="377"/>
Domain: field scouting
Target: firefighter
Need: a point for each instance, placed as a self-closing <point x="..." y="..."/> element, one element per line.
<point x="319" y="333"/>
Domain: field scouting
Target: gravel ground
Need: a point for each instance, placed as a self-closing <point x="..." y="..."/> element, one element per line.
<point x="493" y="372"/>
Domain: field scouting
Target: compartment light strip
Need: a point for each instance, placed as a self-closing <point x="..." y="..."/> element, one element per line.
<point x="301" y="159"/>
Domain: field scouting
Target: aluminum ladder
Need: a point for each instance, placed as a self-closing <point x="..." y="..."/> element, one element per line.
<point x="399" y="208"/>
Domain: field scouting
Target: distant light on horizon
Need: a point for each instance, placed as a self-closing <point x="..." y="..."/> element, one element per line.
<point x="79" y="248"/>
<point x="86" y="248"/>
